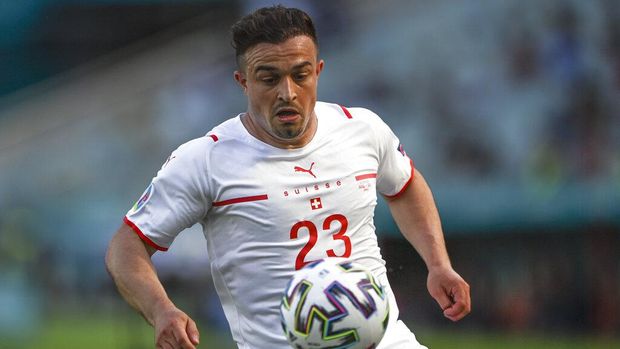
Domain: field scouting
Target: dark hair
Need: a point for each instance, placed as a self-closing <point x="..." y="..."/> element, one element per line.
<point x="273" y="25"/>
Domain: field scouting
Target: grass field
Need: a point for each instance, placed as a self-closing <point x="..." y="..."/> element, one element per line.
<point x="478" y="340"/>
<point x="113" y="332"/>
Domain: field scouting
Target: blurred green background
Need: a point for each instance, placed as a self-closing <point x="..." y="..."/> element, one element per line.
<point x="511" y="109"/>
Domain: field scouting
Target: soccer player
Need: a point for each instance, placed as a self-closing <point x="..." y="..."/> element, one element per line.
<point x="289" y="181"/>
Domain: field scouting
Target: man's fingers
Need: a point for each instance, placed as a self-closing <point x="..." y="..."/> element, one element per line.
<point x="450" y="291"/>
<point x="455" y="312"/>
<point x="442" y="299"/>
<point x="181" y="338"/>
<point x="192" y="332"/>
<point x="461" y="304"/>
<point x="166" y="343"/>
<point x="175" y="330"/>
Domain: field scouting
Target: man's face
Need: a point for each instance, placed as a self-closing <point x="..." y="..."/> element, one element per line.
<point x="280" y="81"/>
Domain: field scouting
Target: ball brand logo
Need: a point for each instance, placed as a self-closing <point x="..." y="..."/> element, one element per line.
<point x="309" y="171"/>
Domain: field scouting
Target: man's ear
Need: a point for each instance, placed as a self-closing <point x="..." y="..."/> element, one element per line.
<point x="319" y="67"/>
<point x="241" y="80"/>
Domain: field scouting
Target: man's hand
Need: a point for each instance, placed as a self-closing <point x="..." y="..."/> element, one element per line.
<point x="128" y="261"/>
<point x="450" y="291"/>
<point x="175" y="330"/>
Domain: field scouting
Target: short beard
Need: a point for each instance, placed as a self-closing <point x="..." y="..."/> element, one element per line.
<point x="288" y="133"/>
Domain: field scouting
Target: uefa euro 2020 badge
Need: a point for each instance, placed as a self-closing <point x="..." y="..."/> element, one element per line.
<point x="143" y="199"/>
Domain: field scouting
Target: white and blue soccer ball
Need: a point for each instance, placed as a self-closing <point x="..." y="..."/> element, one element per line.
<point x="334" y="303"/>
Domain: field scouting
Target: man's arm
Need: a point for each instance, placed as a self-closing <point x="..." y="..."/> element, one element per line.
<point x="128" y="261"/>
<point x="417" y="218"/>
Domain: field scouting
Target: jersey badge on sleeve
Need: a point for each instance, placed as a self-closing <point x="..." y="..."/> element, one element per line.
<point x="143" y="199"/>
<point x="401" y="149"/>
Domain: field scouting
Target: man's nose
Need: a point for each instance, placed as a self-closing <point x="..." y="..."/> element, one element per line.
<point x="286" y="90"/>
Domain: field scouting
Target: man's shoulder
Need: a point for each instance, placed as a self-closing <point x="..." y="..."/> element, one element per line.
<point x="351" y="114"/>
<point x="218" y="135"/>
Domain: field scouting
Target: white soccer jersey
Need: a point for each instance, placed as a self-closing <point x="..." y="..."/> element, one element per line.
<point x="267" y="211"/>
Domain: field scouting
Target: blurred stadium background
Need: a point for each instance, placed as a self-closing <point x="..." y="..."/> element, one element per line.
<point x="510" y="108"/>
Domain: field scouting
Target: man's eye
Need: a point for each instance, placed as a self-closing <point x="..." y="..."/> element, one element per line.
<point x="300" y="77"/>
<point x="268" y="79"/>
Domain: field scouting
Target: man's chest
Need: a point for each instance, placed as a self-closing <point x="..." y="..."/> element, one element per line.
<point x="293" y="183"/>
<point x="310" y="206"/>
<point x="336" y="178"/>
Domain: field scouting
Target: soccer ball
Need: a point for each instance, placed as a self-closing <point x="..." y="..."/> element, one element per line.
<point x="334" y="303"/>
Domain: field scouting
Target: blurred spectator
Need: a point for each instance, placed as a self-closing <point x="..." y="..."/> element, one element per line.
<point x="578" y="138"/>
<point x="563" y="50"/>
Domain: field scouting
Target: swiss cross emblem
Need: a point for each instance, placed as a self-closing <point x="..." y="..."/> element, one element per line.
<point x="315" y="203"/>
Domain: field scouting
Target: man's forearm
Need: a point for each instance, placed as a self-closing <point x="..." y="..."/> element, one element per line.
<point x="128" y="262"/>
<point x="416" y="215"/>
<point x="417" y="218"/>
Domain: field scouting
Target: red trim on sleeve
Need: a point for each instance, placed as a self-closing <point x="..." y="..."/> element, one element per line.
<point x="241" y="199"/>
<point x="346" y="112"/>
<point x="365" y="176"/>
<point x="142" y="236"/>
<point x="214" y="137"/>
<point x="402" y="190"/>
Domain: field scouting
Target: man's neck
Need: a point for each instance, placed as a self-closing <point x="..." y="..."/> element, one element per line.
<point x="262" y="135"/>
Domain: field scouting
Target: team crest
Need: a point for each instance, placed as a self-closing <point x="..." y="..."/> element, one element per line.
<point x="143" y="199"/>
<point x="315" y="203"/>
<point x="401" y="149"/>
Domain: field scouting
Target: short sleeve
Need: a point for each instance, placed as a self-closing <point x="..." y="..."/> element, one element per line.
<point x="175" y="200"/>
<point x="396" y="169"/>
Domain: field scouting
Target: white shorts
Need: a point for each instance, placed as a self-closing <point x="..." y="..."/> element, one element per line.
<point x="397" y="335"/>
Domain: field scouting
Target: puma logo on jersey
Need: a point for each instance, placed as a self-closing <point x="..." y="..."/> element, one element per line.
<point x="309" y="171"/>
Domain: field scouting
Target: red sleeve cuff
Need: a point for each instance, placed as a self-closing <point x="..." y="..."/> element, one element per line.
<point x="402" y="190"/>
<point x="142" y="236"/>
